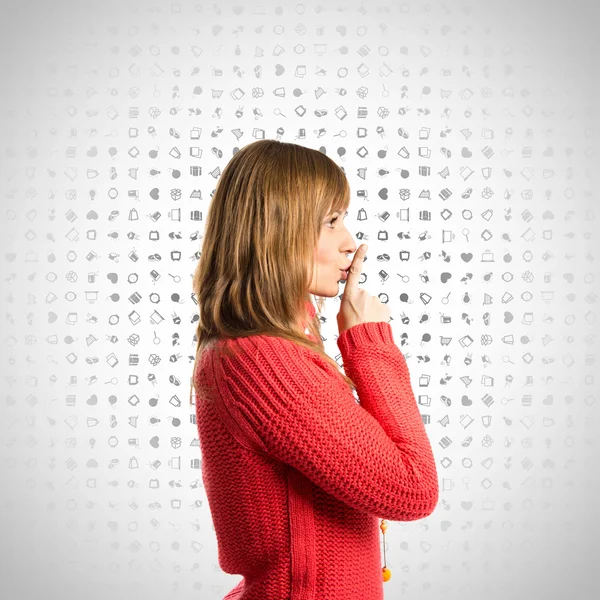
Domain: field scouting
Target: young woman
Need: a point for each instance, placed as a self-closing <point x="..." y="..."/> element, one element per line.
<point x="297" y="473"/>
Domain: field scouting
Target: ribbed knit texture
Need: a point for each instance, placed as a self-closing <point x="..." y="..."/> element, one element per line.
<point x="297" y="473"/>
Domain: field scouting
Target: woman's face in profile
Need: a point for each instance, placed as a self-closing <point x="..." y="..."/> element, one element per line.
<point x="335" y="243"/>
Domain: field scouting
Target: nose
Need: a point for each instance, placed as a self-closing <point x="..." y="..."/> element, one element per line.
<point x="351" y="245"/>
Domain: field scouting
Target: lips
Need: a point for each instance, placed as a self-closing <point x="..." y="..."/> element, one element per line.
<point x="344" y="272"/>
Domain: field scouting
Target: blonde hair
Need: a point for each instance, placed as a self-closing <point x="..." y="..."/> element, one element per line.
<point x="258" y="250"/>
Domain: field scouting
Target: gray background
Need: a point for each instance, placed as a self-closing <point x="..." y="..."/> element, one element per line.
<point x="101" y="482"/>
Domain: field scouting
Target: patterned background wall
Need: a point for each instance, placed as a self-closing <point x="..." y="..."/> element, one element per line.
<point x="469" y="133"/>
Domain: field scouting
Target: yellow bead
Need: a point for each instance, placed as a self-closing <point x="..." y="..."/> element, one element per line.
<point x="387" y="574"/>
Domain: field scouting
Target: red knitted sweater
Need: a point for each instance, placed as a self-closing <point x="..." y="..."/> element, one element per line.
<point x="297" y="473"/>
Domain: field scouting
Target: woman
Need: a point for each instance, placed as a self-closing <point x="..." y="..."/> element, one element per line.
<point x="296" y="472"/>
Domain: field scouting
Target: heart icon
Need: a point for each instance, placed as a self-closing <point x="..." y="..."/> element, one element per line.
<point x="445" y="276"/>
<point x="466" y="256"/>
<point x="383" y="193"/>
<point x="154" y="194"/>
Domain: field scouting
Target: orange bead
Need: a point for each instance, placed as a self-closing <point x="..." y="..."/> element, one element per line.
<point x="387" y="574"/>
<point x="383" y="526"/>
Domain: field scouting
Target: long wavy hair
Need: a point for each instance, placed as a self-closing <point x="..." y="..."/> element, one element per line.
<point x="258" y="250"/>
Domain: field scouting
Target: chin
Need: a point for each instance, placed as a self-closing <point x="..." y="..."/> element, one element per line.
<point x="331" y="293"/>
<point x="325" y="292"/>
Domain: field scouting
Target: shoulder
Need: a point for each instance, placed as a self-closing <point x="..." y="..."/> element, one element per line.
<point x="255" y="346"/>
<point x="269" y="352"/>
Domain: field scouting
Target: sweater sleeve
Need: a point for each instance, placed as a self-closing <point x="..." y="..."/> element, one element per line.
<point x="374" y="456"/>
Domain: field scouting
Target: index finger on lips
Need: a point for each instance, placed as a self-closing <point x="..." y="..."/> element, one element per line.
<point x="356" y="266"/>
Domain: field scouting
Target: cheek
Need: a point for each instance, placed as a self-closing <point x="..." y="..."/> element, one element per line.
<point x="326" y="252"/>
<point x="323" y="254"/>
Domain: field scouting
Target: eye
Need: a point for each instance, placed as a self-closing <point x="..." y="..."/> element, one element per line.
<point x="332" y="220"/>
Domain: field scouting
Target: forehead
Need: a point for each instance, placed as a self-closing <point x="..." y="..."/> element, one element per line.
<point x="337" y="207"/>
<point x="338" y="211"/>
<point x="339" y="202"/>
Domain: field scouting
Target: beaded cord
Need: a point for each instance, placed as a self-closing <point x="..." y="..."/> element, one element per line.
<point x="387" y="574"/>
